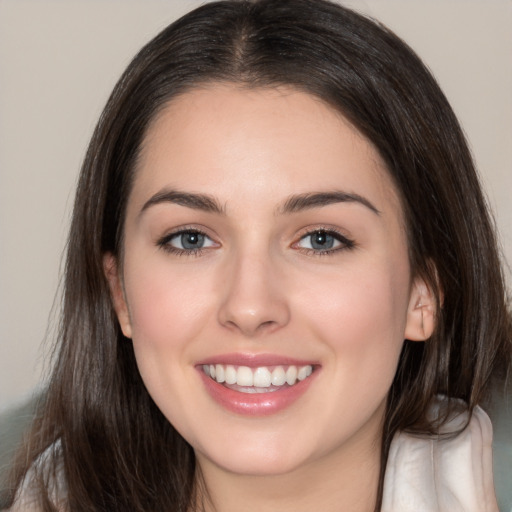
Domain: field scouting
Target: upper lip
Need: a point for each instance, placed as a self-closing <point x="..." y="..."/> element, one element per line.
<point x="255" y="360"/>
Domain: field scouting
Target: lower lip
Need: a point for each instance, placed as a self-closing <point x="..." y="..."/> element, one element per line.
<point x="255" y="404"/>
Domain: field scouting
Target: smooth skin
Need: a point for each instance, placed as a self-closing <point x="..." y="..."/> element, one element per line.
<point x="242" y="271"/>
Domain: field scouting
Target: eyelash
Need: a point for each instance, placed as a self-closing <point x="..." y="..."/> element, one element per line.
<point x="345" y="243"/>
<point x="164" y="242"/>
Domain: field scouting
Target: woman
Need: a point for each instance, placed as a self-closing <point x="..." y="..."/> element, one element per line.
<point x="277" y="195"/>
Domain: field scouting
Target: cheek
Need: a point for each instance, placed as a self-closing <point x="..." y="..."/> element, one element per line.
<point x="361" y="316"/>
<point x="169" y="310"/>
<point x="368" y="299"/>
<point x="166" y="307"/>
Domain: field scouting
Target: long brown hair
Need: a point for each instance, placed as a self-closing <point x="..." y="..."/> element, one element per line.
<point x="98" y="427"/>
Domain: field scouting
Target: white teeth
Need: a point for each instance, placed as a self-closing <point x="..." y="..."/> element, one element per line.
<point x="257" y="379"/>
<point x="219" y="373"/>
<point x="278" y="376"/>
<point x="244" y="376"/>
<point x="291" y="375"/>
<point x="303" y="372"/>
<point x="262" y="378"/>
<point x="230" y="375"/>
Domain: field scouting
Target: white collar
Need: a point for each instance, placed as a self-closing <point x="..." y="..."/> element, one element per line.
<point x="442" y="475"/>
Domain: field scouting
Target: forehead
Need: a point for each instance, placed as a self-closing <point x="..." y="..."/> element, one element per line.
<point x="229" y="139"/>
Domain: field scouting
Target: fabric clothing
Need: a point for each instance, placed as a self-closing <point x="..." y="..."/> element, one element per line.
<point x="27" y="495"/>
<point x="451" y="474"/>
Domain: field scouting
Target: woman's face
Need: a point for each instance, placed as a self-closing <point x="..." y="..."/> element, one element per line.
<point x="265" y="244"/>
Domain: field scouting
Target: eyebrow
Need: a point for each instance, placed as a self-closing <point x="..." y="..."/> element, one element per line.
<point x="293" y="204"/>
<point x="307" y="201"/>
<point x="192" y="200"/>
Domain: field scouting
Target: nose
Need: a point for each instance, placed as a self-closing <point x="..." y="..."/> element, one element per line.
<point x="254" y="298"/>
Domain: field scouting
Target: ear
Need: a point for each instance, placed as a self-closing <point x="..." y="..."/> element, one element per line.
<point x="111" y="269"/>
<point x="421" y="312"/>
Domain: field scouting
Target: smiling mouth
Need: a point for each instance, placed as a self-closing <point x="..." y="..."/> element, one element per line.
<point x="263" y="379"/>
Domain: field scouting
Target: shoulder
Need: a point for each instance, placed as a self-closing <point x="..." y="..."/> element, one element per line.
<point x="46" y="473"/>
<point x="444" y="472"/>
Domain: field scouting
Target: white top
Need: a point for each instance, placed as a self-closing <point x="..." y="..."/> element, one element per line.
<point x="442" y="475"/>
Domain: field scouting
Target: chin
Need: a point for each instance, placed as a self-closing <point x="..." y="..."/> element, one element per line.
<point x="261" y="458"/>
<point x="258" y="466"/>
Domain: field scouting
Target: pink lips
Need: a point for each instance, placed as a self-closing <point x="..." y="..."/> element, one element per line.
<point x="254" y="360"/>
<point x="255" y="404"/>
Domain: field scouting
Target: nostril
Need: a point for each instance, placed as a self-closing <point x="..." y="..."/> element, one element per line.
<point x="251" y="328"/>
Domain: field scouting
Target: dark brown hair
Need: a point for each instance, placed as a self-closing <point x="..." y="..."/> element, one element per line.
<point x="98" y="425"/>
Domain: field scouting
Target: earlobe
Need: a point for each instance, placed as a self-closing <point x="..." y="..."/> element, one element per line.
<point x="421" y="312"/>
<point x="111" y="270"/>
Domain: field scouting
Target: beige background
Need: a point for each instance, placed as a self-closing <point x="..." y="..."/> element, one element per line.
<point x="60" y="59"/>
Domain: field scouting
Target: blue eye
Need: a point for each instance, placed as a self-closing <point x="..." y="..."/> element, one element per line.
<point x="189" y="240"/>
<point x="186" y="241"/>
<point x="324" y="241"/>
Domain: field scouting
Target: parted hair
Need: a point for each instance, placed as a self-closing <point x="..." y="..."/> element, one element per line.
<point x="98" y="428"/>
